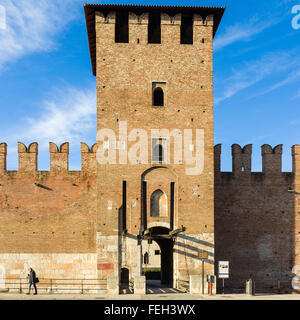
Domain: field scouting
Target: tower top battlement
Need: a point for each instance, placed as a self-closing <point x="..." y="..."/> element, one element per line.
<point x="107" y="9"/>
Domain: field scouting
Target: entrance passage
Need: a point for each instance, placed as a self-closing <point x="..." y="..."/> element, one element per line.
<point x="158" y="271"/>
<point x="124" y="280"/>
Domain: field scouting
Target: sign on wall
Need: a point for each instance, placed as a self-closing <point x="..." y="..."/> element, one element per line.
<point x="223" y="269"/>
<point x="203" y="255"/>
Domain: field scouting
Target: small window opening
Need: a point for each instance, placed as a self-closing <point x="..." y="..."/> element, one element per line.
<point x="121" y="28"/>
<point x="146" y="258"/>
<point x="158" y="154"/>
<point x="158" y="97"/>
<point x="157" y="252"/>
<point x="186" y="36"/>
<point x="154" y="28"/>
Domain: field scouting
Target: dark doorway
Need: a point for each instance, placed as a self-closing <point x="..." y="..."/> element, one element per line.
<point x="166" y="248"/>
<point x="160" y="236"/>
<point x="124" y="281"/>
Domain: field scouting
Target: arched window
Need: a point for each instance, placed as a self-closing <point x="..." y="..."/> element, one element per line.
<point x="158" y="97"/>
<point x="158" y="204"/>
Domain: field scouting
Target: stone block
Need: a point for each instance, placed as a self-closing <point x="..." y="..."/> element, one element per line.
<point x="113" y="285"/>
<point x="195" y="284"/>
<point x="139" y="285"/>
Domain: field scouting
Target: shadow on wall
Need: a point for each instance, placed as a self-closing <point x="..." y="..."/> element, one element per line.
<point x="192" y="251"/>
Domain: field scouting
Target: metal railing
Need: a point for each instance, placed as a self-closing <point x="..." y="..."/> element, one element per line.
<point x="271" y="287"/>
<point x="56" y="285"/>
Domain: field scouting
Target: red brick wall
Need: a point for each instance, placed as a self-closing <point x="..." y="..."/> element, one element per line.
<point x="254" y="221"/>
<point x="47" y="212"/>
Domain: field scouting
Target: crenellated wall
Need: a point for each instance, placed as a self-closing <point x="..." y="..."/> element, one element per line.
<point x="170" y="27"/>
<point x="255" y="219"/>
<point x="52" y="214"/>
<point x="48" y="218"/>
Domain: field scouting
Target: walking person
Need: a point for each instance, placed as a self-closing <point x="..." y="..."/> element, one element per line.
<point x="32" y="281"/>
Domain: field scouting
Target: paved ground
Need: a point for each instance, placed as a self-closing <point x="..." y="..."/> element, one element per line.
<point x="167" y="296"/>
<point x="155" y="291"/>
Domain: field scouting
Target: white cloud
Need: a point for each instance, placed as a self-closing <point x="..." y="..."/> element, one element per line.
<point x="297" y="96"/>
<point x="69" y="115"/>
<point x="255" y="71"/>
<point x="289" y="79"/>
<point x="241" y="32"/>
<point x="31" y="26"/>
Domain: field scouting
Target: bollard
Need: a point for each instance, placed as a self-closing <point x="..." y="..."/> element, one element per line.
<point x="250" y="287"/>
<point x="210" y="288"/>
<point x="50" y="285"/>
<point x="211" y="280"/>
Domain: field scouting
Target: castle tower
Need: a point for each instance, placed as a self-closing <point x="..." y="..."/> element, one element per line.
<point x="154" y="70"/>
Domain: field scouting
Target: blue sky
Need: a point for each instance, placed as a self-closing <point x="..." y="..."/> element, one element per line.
<point x="48" y="92"/>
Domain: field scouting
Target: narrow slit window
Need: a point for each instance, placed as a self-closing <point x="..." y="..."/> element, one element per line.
<point x="158" y="97"/>
<point x="121" y="28"/>
<point x="158" y="152"/>
<point x="154" y="28"/>
<point x="186" y="30"/>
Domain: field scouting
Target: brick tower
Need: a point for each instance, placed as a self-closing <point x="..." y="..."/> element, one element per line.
<point x="154" y="69"/>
